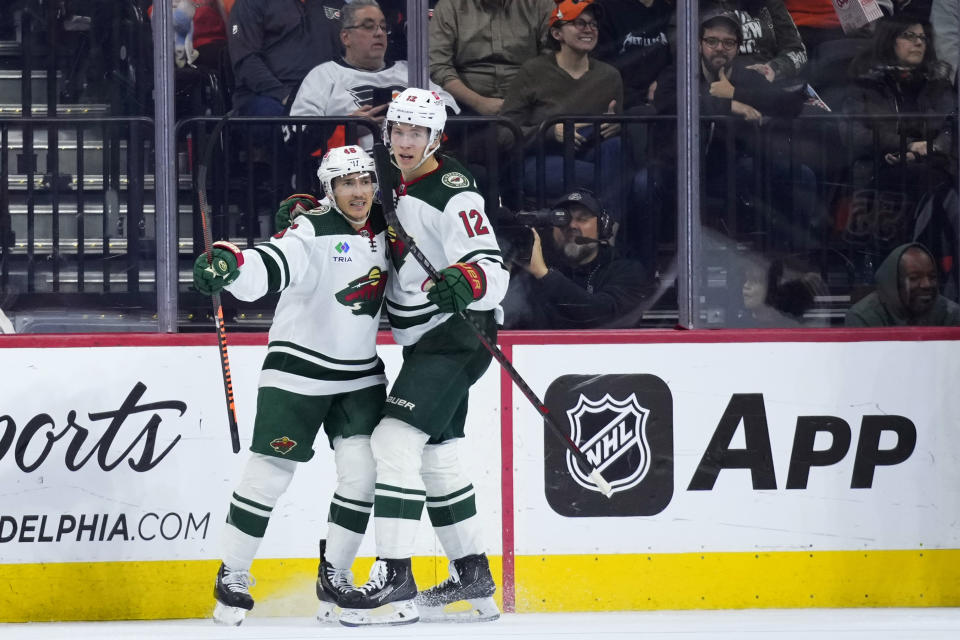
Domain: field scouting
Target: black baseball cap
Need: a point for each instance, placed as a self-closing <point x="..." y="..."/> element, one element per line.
<point x="581" y="197"/>
<point x="717" y="14"/>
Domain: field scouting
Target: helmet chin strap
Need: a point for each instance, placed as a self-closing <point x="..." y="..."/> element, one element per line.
<point x="351" y="220"/>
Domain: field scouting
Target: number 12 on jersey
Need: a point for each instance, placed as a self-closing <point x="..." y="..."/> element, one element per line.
<point x="473" y="223"/>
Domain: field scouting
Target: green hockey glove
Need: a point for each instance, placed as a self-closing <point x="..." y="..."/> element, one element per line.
<point x="209" y="277"/>
<point x="459" y="285"/>
<point x="292" y="207"/>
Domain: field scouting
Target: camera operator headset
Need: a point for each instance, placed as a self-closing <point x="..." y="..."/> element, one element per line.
<point x="582" y="284"/>
<point x="581" y="226"/>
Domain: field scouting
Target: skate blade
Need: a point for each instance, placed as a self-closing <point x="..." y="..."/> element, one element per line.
<point x="471" y="610"/>
<point x="389" y="615"/>
<point x="328" y="613"/>
<point x="232" y="616"/>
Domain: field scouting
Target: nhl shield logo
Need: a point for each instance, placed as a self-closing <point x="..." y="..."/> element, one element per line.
<point x="623" y="424"/>
<point x="612" y="434"/>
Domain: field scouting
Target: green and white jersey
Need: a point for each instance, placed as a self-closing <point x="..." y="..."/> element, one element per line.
<point x="443" y="213"/>
<point x="332" y="280"/>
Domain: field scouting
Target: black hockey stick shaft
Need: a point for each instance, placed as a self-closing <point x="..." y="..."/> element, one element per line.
<point x="381" y="158"/>
<point x="217" y="306"/>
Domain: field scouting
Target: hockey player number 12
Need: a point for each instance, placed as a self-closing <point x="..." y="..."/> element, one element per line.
<point x="478" y="228"/>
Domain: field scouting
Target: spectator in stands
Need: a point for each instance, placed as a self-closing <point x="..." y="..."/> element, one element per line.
<point x="769" y="37"/>
<point x="361" y="83"/>
<point x="274" y="44"/>
<point x="910" y="156"/>
<point x="574" y="278"/>
<point x="637" y="37"/>
<point x="945" y="14"/>
<point x="567" y="81"/>
<point x="728" y="83"/>
<point x="729" y="87"/>
<point x="773" y="296"/>
<point x="907" y="293"/>
<point x="477" y="47"/>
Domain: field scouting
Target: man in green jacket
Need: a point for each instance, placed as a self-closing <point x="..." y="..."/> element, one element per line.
<point x="907" y="294"/>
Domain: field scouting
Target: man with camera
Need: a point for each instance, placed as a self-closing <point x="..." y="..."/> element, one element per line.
<point x="573" y="278"/>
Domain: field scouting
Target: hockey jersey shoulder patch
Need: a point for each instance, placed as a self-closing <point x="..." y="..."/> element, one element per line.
<point x="438" y="188"/>
<point x="326" y="222"/>
<point x="455" y="180"/>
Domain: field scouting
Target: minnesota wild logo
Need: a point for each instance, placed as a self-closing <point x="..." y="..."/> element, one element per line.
<point x="283" y="445"/>
<point x="365" y="294"/>
<point x="455" y="180"/>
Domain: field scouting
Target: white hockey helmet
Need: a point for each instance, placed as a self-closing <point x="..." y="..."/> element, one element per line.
<point x="343" y="161"/>
<point x="418" y="107"/>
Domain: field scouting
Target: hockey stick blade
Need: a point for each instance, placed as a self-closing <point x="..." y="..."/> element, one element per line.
<point x="381" y="158"/>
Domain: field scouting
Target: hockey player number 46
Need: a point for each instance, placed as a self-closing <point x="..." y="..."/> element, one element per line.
<point x="478" y="228"/>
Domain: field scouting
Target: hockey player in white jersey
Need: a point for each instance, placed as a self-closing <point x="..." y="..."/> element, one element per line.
<point x="415" y="444"/>
<point x="321" y="367"/>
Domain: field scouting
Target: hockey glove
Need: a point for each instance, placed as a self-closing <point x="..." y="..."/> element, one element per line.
<point x="210" y="277"/>
<point x="292" y="207"/>
<point x="459" y="285"/>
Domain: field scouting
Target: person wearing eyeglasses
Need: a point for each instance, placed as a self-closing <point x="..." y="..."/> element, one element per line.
<point x="361" y="83"/>
<point x="735" y="100"/>
<point x="769" y="37"/>
<point x="902" y="157"/>
<point x="727" y="84"/>
<point x="566" y="80"/>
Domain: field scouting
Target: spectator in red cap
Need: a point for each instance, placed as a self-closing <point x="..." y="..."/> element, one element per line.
<point x="565" y="80"/>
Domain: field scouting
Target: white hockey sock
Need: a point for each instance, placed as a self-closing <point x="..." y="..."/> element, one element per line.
<point x="263" y="482"/>
<point x="352" y="501"/>
<point x="451" y="502"/>
<point x="399" y="496"/>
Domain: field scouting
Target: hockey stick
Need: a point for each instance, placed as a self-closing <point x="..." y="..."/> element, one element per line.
<point x="217" y="306"/>
<point x="381" y="158"/>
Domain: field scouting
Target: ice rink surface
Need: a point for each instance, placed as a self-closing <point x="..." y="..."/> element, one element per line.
<point x="793" y="624"/>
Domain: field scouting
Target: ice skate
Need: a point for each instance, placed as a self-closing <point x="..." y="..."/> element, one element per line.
<point x="466" y="596"/>
<point x="386" y="599"/>
<point x="232" y="591"/>
<point x="332" y="583"/>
